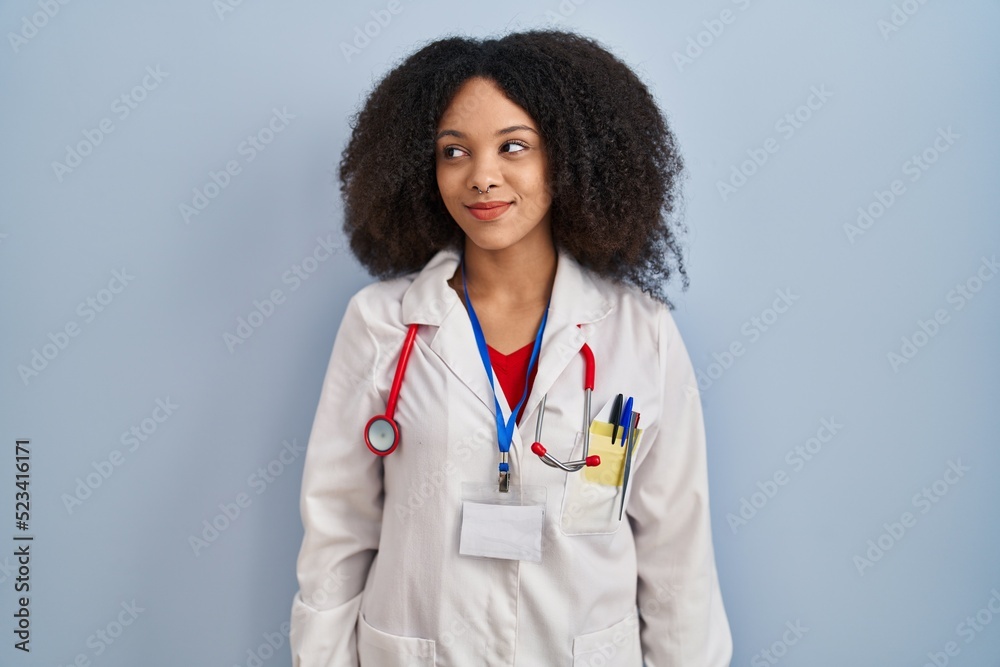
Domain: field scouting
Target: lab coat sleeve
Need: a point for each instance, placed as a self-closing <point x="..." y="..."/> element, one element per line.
<point x="682" y="619"/>
<point x="340" y="504"/>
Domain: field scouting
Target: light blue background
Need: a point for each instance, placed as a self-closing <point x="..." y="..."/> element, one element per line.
<point x="824" y="358"/>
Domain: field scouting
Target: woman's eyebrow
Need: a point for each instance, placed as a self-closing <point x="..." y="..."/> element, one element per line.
<point x="506" y="130"/>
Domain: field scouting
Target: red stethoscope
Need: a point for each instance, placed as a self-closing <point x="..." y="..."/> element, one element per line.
<point x="382" y="432"/>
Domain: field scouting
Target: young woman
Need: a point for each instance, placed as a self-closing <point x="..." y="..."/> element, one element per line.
<point x="515" y="195"/>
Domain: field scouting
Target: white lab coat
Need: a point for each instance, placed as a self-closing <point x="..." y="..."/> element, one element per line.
<point x="381" y="581"/>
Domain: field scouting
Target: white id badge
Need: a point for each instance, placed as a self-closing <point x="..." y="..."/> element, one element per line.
<point x="502" y="525"/>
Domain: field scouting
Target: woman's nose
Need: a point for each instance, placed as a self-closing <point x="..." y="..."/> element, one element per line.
<point x="485" y="172"/>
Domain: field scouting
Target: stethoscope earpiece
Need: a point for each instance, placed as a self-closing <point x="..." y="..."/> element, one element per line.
<point x="588" y="461"/>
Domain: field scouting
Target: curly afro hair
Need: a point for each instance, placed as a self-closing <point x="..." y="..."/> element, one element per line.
<point x="609" y="148"/>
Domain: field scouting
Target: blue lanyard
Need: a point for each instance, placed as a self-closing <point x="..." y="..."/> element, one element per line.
<point x="505" y="430"/>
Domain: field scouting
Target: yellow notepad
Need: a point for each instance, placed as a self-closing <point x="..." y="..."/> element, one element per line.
<point x="612" y="469"/>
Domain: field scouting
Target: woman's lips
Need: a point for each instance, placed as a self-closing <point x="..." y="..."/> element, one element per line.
<point x="489" y="213"/>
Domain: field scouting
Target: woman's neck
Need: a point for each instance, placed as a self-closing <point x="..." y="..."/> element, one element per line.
<point x="512" y="277"/>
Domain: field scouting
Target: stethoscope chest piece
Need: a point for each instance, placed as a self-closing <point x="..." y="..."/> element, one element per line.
<point x="381" y="435"/>
<point x="382" y="431"/>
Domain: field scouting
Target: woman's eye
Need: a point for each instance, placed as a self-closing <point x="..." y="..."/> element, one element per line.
<point x="520" y="147"/>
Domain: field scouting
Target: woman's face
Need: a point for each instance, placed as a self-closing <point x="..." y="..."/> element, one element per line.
<point x="484" y="140"/>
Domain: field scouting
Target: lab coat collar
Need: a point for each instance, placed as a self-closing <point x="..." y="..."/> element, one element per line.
<point x="576" y="299"/>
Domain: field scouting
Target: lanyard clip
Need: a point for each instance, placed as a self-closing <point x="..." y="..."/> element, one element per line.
<point x="504" y="473"/>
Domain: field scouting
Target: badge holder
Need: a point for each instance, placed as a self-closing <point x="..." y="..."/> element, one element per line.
<point x="505" y="525"/>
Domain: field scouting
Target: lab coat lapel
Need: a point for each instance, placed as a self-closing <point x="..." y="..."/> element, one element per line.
<point x="430" y="300"/>
<point x="576" y="299"/>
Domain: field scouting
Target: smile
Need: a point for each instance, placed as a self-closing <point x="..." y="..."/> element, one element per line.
<point x="490" y="213"/>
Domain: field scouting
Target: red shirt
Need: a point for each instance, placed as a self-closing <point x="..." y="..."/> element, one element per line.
<point x="510" y="370"/>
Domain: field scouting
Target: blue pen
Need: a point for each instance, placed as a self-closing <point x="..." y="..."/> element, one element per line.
<point x="626" y="419"/>
<point x="628" y="464"/>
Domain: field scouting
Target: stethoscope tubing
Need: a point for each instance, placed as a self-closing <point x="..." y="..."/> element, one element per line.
<point x="390" y="408"/>
<point x="537" y="447"/>
<point x="397" y="379"/>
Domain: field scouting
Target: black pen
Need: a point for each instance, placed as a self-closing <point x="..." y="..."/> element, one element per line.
<point x="616" y="415"/>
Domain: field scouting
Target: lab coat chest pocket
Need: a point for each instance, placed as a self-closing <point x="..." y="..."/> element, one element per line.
<point x="589" y="507"/>
<point x="381" y="649"/>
